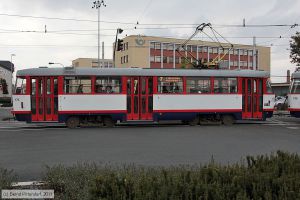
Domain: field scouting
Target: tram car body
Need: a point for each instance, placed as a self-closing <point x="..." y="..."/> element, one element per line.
<point x="294" y="95"/>
<point x="91" y="95"/>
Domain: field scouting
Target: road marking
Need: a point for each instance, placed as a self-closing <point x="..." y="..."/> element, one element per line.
<point x="293" y="128"/>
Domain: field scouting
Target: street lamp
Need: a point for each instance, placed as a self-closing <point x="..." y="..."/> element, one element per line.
<point x="97" y="5"/>
<point x="53" y="63"/>
<point x="12" y="71"/>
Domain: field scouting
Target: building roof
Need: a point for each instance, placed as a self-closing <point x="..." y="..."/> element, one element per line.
<point x="194" y="41"/>
<point x="139" y="72"/>
<point x="7" y="65"/>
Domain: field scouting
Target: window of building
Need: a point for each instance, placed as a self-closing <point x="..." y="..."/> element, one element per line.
<point x="221" y="51"/>
<point x="152" y="45"/>
<point x="215" y="49"/>
<point x="250" y="52"/>
<point x="199" y="49"/>
<point x="231" y="51"/>
<point x="77" y="85"/>
<point x="235" y="63"/>
<point x="122" y="60"/>
<point x="223" y="64"/>
<point x="204" y="49"/>
<point x="231" y="63"/>
<point x="226" y="51"/>
<point x="108" y="85"/>
<point x="177" y="60"/>
<point x="210" y="50"/>
<point x="20" y="86"/>
<point x="250" y="64"/>
<point x="194" y="48"/>
<point x="171" y="59"/>
<point x="171" y="47"/>
<point x="170" y="85"/>
<point x="225" y="85"/>
<point x="165" y="46"/>
<point x="178" y="46"/>
<point x="152" y="59"/>
<point x="241" y="51"/>
<point x="198" y="85"/>
<point x="243" y="63"/>
<point x="165" y="59"/>
<point x="157" y="59"/>
<point x="183" y="60"/>
<point x="157" y="45"/>
<point x="189" y="48"/>
<point x="236" y="52"/>
<point x="245" y="52"/>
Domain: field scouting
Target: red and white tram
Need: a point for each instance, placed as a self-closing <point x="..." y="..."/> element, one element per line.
<point x="294" y="95"/>
<point x="104" y="96"/>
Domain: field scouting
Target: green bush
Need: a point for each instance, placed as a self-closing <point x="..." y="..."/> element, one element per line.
<point x="7" y="177"/>
<point x="263" y="177"/>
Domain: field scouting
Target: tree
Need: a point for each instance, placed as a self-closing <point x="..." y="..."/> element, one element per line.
<point x="295" y="49"/>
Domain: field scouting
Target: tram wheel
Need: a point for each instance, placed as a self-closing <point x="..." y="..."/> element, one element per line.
<point x="227" y="120"/>
<point x="108" y="122"/>
<point x="72" y="122"/>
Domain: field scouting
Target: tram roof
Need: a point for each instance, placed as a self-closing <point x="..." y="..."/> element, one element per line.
<point x="296" y="74"/>
<point x="138" y="72"/>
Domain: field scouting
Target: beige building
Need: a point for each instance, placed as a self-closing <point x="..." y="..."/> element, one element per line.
<point x="92" y="62"/>
<point x="159" y="52"/>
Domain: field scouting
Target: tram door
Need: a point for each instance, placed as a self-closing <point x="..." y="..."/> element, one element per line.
<point x="252" y="101"/>
<point x="139" y="98"/>
<point x="44" y="98"/>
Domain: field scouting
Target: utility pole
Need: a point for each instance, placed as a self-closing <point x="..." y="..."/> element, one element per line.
<point x="97" y="5"/>
<point x="11" y="69"/>
<point x="254" y="54"/>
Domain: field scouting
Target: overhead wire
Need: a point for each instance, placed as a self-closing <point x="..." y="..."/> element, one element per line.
<point x="148" y="24"/>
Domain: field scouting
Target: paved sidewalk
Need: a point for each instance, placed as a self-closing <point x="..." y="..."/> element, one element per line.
<point x="5" y="113"/>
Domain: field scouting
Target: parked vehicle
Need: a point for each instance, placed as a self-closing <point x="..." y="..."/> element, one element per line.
<point x="294" y="95"/>
<point x="280" y="102"/>
<point x="78" y="96"/>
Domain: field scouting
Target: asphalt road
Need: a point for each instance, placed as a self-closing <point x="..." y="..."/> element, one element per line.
<point x="28" y="148"/>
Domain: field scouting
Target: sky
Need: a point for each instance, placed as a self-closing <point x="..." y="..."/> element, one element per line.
<point x="66" y="40"/>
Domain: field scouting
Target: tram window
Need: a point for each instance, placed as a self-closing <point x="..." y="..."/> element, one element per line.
<point x="33" y="86"/>
<point x="48" y="86"/>
<point x="170" y="85"/>
<point x="108" y="85"/>
<point x="77" y="85"/>
<point x="269" y="88"/>
<point x="21" y="86"/>
<point x="295" y="86"/>
<point x="55" y="86"/>
<point x="225" y="85"/>
<point x="198" y="85"/>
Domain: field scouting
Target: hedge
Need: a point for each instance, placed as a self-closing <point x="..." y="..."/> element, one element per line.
<point x="275" y="176"/>
<point x="7" y="177"/>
